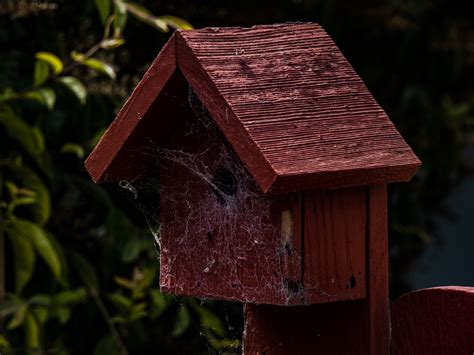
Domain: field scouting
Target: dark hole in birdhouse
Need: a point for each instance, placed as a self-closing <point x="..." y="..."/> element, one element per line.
<point x="225" y="184"/>
<point x="352" y="281"/>
<point x="293" y="287"/>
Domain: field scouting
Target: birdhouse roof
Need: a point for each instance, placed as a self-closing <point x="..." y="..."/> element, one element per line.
<point x="285" y="98"/>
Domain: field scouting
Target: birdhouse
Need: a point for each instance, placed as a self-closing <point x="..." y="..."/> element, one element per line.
<point x="271" y="157"/>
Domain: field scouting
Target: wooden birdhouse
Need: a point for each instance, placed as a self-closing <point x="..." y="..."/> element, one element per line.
<point x="272" y="158"/>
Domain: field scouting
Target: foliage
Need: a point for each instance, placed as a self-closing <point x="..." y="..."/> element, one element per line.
<point x="100" y="269"/>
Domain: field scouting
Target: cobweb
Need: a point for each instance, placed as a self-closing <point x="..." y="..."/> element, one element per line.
<point x="211" y="224"/>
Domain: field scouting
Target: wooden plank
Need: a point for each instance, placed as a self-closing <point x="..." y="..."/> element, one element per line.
<point x="334" y="245"/>
<point x="338" y="328"/>
<point x="290" y="220"/>
<point x="359" y="326"/>
<point x="302" y="104"/>
<point x="284" y="96"/>
<point x="223" y="114"/>
<point x="377" y="270"/>
<point x="123" y="128"/>
<point x="434" y="321"/>
<point x="243" y="248"/>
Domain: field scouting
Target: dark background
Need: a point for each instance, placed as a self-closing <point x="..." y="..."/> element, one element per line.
<point x="416" y="57"/>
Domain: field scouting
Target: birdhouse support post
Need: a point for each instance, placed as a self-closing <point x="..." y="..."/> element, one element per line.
<point x="273" y="159"/>
<point x="347" y="327"/>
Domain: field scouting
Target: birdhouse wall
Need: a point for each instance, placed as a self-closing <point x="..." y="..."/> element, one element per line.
<point x="221" y="237"/>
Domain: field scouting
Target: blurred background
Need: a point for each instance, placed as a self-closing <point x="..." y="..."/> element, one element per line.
<point x="78" y="267"/>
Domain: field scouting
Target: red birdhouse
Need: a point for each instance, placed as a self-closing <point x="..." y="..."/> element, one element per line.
<point x="272" y="158"/>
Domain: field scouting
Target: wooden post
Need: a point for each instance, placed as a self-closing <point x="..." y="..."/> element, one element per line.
<point x="434" y="321"/>
<point x="347" y="327"/>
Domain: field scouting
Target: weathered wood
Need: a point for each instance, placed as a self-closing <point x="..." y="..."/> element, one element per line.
<point x="244" y="247"/>
<point x="287" y="100"/>
<point x="377" y="273"/>
<point x="434" y="321"/>
<point x="106" y="163"/>
<point x="345" y="236"/>
<point x="303" y="105"/>
<point x="334" y="245"/>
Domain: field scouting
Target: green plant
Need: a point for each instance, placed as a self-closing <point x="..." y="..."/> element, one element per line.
<point x="51" y="280"/>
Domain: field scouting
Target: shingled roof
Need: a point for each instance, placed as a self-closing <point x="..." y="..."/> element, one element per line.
<point x="285" y="98"/>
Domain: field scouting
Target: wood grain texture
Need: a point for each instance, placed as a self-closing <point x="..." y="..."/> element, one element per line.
<point x="335" y="245"/>
<point x="105" y="163"/>
<point x="302" y="104"/>
<point x="434" y="321"/>
<point x="243" y="248"/>
<point x="286" y="99"/>
<point x="377" y="270"/>
<point x="338" y="328"/>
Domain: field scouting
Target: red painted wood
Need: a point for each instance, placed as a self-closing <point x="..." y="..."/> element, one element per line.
<point x="286" y="99"/>
<point x="434" y="321"/>
<point x="303" y="105"/>
<point x="224" y="115"/>
<point x="290" y="249"/>
<point x="343" y="229"/>
<point x="334" y="245"/>
<point x="338" y="328"/>
<point x="106" y="163"/>
<point x="212" y="248"/>
<point x="377" y="273"/>
<point x="291" y="236"/>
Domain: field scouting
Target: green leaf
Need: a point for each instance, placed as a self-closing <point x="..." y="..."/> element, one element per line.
<point x="41" y="72"/>
<point x="18" y="317"/>
<point x="148" y="276"/>
<point x="62" y="313"/>
<point x="23" y="256"/>
<point x="40" y="299"/>
<point x="52" y="60"/>
<point x="70" y="296"/>
<point x="21" y="201"/>
<point x="100" y="66"/>
<point x="183" y="320"/>
<point x="49" y="97"/>
<point x="103" y="6"/>
<point x="86" y="271"/>
<point x="122" y="303"/>
<point x="45" y="96"/>
<point x="63" y="279"/>
<point x="77" y="56"/>
<point x="32" y="333"/>
<point x="41" y="314"/>
<point x="41" y="243"/>
<point x="125" y="283"/>
<point x="210" y="321"/>
<point x="76" y="87"/>
<point x="31" y="139"/>
<point x="4" y="345"/>
<point x="176" y="22"/>
<point x="160" y="303"/>
<point x="74" y="149"/>
<point x="144" y="15"/>
<point x="30" y="180"/>
<point x="112" y="43"/>
<point x="120" y="17"/>
<point x="138" y="311"/>
<point x="7" y="94"/>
